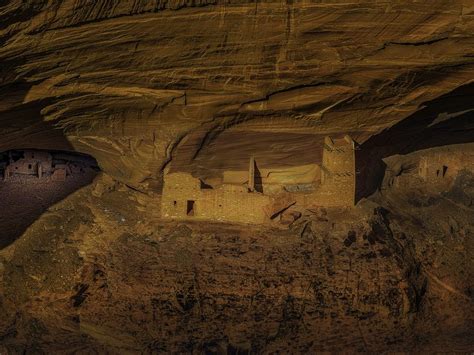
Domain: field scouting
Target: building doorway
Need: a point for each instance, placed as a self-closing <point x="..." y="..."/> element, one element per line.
<point x="190" y="208"/>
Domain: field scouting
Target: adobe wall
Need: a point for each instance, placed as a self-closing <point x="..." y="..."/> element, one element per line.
<point x="177" y="189"/>
<point x="223" y="204"/>
<point x="226" y="203"/>
<point x="326" y="197"/>
<point x="234" y="203"/>
<point x="338" y="174"/>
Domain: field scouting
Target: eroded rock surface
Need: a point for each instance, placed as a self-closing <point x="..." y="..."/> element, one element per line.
<point x="205" y="85"/>
<point x="134" y="82"/>
<point x="389" y="274"/>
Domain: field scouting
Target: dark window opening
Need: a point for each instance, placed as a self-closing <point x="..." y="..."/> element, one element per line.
<point x="445" y="169"/>
<point x="175" y="203"/>
<point x="190" y="208"/>
<point x="29" y="166"/>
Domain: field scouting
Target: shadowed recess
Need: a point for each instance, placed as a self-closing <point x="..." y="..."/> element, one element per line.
<point x="34" y="180"/>
<point x="446" y="120"/>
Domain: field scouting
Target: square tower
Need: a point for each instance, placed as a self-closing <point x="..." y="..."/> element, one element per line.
<point x="338" y="183"/>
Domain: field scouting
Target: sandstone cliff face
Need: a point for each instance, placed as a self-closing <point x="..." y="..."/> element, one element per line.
<point x="204" y="85"/>
<point x="102" y="274"/>
<point x="138" y="83"/>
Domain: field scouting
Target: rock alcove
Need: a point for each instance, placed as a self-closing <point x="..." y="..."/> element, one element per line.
<point x="32" y="181"/>
<point x="148" y="87"/>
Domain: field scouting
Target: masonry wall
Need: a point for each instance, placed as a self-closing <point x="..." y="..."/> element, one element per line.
<point x="24" y="167"/>
<point x="441" y="166"/>
<point x="31" y="164"/>
<point x="184" y="197"/>
<point x="226" y="204"/>
<point x="338" y="175"/>
<point x="177" y="190"/>
<point x="436" y="167"/>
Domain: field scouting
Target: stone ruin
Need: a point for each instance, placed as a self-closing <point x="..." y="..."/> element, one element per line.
<point x="258" y="196"/>
<point x="434" y="168"/>
<point x="40" y="164"/>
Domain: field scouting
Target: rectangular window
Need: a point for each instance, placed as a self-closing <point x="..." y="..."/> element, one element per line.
<point x="190" y="208"/>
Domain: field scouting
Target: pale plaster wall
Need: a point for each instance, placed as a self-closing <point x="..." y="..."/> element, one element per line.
<point x="302" y="174"/>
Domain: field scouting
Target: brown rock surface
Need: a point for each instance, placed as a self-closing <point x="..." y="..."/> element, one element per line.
<point x="205" y="85"/>
<point x="392" y="274"/>
<point x="134" y="82"/>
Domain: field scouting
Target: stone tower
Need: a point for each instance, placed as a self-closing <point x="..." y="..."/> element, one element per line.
<point x="338" y="172"/>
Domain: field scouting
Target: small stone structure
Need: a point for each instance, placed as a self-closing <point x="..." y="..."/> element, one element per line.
<point x="433" y="168"/>
<point x="338" y="173"/>
<point x="255" y="196"/>
<point x="186" y="197"/>
<point x="36" y="163"/>
<point x="430" y="168"/>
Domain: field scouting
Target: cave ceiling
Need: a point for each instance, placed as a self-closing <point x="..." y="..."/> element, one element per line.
<point x="201" y="84"/>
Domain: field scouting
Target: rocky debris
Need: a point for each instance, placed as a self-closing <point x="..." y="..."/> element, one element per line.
<point x="205" y="85"/>
<point x="288" y="216"/>
<point x="104" y="184"/>
<point x="462" y="191"/>
<point x="181" y="287"/>
<point x="351" y="238"/>
<point x="439" y="231"/>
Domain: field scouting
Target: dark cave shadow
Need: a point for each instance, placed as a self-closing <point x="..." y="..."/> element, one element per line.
<point x="429" y="127"/>
<point x="24" y="200"/>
